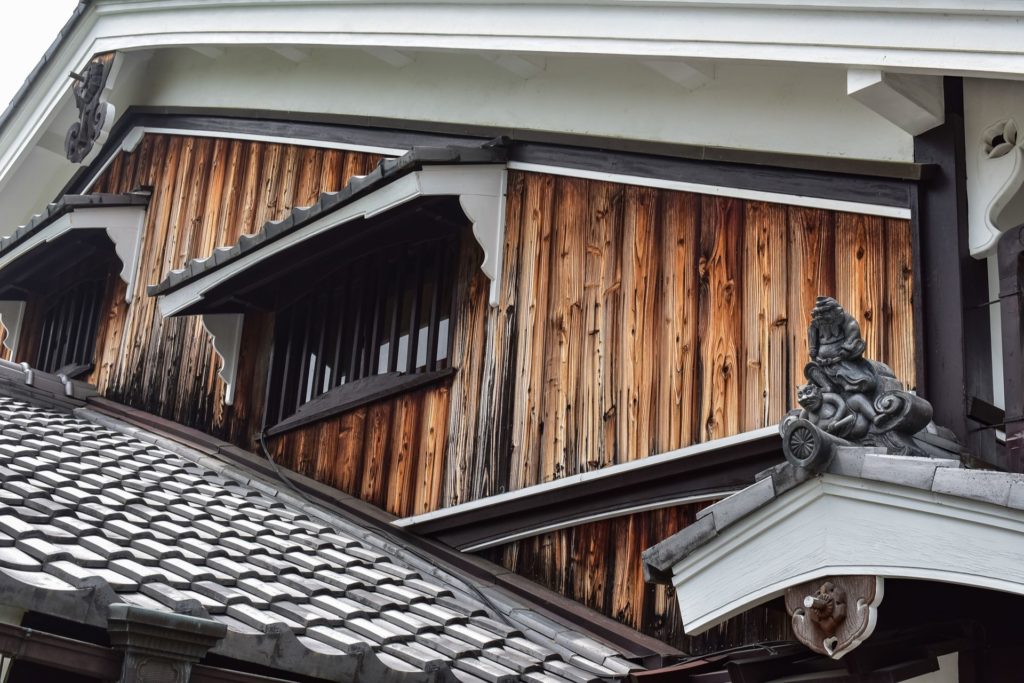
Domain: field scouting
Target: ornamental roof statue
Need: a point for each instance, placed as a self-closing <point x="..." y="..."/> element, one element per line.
<point x="850" y="400"/>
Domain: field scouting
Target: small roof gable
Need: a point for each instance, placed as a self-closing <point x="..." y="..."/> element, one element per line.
<point x="386" y="172"/>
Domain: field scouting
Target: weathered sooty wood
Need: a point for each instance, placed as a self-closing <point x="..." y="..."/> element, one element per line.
<point x="599" y="565"/>
<point x="633" y="321"/>
<point x="206" y="193"/>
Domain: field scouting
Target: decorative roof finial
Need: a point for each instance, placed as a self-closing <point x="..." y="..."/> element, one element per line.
<point x="849" y="400"/>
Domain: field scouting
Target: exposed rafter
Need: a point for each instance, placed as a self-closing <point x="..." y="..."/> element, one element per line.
<point x="520" y="65"/>
<point x="914" y="103"/>
<point x="390" y="56"/>
<point x="688" y="74"/>
<point x="290" y="52"/>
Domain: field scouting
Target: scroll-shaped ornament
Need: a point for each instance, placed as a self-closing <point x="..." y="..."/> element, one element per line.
<point x="850" y="400"/>
<point x="93" y="113"/>
<point x="834" y="615"/>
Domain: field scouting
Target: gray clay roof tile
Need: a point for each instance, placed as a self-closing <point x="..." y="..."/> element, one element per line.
<point x="159" y="531"/>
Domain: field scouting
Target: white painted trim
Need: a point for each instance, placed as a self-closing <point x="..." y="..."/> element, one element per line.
<point x="480" y="187"/>
<point x="225" y="329"/>
<point x="719" y="190"/>
<point x="914" y="103"/>
<point x="585" y="519"/>
<point x="134" y="137"/>
<point x="849" y="526"/>
<point x="595" y="475"/>
<point x="12" y="313"/>
<point x="123" y="225"/>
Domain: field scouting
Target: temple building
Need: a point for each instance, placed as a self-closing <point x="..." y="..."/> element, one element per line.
<point x="413" y="341"/>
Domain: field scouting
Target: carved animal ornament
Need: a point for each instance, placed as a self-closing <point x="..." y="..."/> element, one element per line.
<point x="93" y="113"/>
<point x="849" y="400"/>
<point x="834" y="615"/>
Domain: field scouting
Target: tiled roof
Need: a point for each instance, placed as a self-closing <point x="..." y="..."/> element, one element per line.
<point x="938" y="475"/>
<point x="64" y="205"/>
<point x="388" y="170"/>
<point x="91" y="516"/>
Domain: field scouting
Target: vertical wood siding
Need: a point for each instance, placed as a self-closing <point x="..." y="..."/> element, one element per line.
<point x="206" y="194"/>
<point x="598" y="564"/>
<point x="634" y="321"/>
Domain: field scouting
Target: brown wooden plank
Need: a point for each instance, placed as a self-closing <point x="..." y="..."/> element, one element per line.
<point x="432" y="443"/>
<point x="405" y="433"/>
<point x="565" y="334"/>
<point x="533" y="296"/>
<point x="860" y="275"/>
<point x="899" y="288"/>
<point x="678" y="403"/>
<point x="720" y="313"/>
<point x="376" y="453"/>
<point x="766" y="389"/>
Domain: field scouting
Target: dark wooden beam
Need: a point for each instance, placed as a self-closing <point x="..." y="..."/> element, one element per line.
<point x="953" y="345"/>
<point x="1011" y="307"/>
<point x="57" y="652"/>
<point x="710" y="472"/>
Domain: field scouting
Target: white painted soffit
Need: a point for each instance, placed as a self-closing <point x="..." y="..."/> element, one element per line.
<point x="935" y="36"/>
<point x="481" y="191"/>
<point x="835" y="525"/>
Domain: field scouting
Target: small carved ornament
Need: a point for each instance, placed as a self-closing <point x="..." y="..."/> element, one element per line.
<point x="835" y="615"/>
<point x="92" y="110"/>
<point x="850" y="400"/>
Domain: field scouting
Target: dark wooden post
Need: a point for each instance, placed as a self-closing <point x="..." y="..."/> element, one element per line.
<point x="1011" y="306"/>
<point x="954" y="344"/>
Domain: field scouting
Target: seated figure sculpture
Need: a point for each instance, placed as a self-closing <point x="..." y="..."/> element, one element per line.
<point x="849" y="399"/>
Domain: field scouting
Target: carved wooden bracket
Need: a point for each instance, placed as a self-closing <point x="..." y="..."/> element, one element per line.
<point x="225" y="329"/>
<point x="1000" y="179"/>
<point x="95" y="114"/>
<point x="834" y="615"/>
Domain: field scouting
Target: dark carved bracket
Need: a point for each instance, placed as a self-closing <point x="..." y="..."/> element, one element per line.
<point x="93" y="112"/>
<point x="850" y="400"/>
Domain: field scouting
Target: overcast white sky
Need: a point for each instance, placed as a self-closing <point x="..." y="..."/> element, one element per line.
<point x="27" y="27"/>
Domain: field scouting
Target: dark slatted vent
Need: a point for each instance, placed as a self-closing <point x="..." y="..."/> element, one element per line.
<point x="387" y="312"/>
<point x="69" y="328"/>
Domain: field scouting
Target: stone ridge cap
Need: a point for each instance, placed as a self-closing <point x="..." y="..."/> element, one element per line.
<point x="386" y="171"/>
<point x="944" y="476"/>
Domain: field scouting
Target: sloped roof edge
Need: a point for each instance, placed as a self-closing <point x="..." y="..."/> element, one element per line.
<point x="387" y="171"/>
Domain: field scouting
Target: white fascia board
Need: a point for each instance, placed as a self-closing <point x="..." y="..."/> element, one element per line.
<point x="594" y="475"/>
<point x="123" y="225"/>
<point x="481" y="191"/>
<point x="835" y="525"/>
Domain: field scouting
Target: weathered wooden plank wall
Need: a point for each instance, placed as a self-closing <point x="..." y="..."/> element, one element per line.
<point x="206" y="193"/>
<point x="598" y="564"/>
<point x="634" y="321"/>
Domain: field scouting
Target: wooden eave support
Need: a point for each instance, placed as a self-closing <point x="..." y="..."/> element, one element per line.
<point x="914" y="103"/>
<point x="688" y="74"/>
